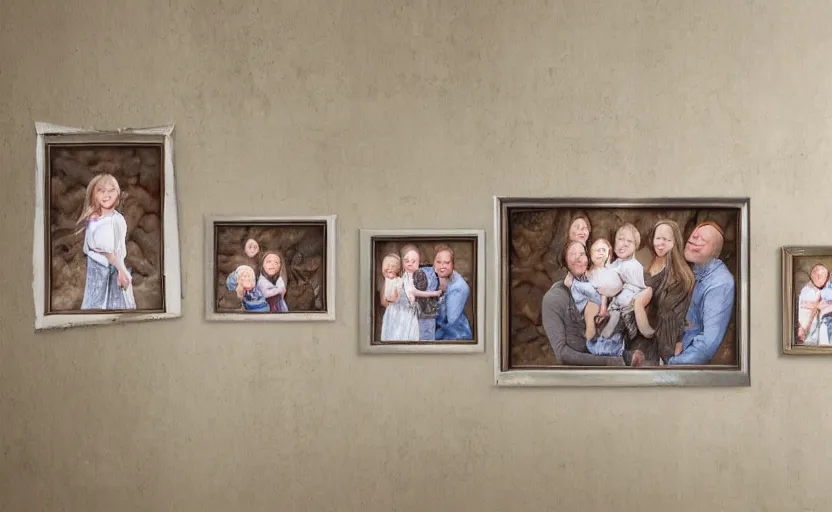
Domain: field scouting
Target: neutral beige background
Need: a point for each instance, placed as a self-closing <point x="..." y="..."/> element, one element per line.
<point x="411" y="114"/>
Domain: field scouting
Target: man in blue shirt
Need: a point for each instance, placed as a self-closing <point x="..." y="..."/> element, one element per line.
<point x="713" y="297"/>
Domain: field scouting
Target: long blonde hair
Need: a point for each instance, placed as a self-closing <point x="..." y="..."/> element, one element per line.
<point x="90" y="207"/>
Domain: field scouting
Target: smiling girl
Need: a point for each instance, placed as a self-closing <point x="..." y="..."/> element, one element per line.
<point x="108" y="283"/>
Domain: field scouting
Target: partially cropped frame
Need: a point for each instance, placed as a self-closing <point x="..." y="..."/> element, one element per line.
<point x="612" y="292"/>
<point x="421" y="291"/>
<point x="806" y="300"/>
<point x="270" y="269"/>
<point x="106" y="230"/>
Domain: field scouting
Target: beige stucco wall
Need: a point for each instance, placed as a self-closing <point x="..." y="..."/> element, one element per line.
<point x="438" y="106"/>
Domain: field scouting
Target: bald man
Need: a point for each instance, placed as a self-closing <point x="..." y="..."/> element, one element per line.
<point x="713" y="297"/>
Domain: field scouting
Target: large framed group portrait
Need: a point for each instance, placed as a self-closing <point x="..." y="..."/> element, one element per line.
<point x="807" y="300"/>
<point x="270" y="269"/>
<point x="621" y="292"/>
<point x="421" y="291"/>
<point x="106" y="229"/>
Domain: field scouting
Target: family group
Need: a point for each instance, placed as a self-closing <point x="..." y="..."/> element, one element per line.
<point x="423" y="303"/>
<point x="610" y="310"/>
<point x="261" y="283"/>
<point x="814" y="308"/>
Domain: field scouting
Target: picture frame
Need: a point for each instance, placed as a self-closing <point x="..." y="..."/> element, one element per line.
<point x="530" y="246"/>
<point x="71" y="284"/>
<point x="806" y="296"/>
<point x="452" y="260"/>
<point x="303" y="252"/>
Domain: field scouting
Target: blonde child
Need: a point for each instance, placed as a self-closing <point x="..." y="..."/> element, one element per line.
<point x="400" y="321"/>
<point x="243" y="281"/>
<point x="272" y="282"/>
<point x="811" y="295"/>
<point x="627" y="242"/>
<point x="391" y="269"/>
<point x="602" y="284"/>
<point x="108" y="283"/>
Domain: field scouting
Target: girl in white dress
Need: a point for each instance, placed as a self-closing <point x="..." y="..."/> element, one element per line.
<point x="400" y="321"/>
<point x="108" y="283"/>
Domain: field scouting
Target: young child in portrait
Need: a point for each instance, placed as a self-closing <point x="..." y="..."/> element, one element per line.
<point x="243" y="281"/>
<point x="591" y="298"/>
<point x="809" y="300"/>
<point x="400" y="321"/>
<point x="627" y="242"/>
<point x="603" y="283"/>
<point x="272" y="283"/>
<point x="391" y="269"/>
<point x="108" y="284"/>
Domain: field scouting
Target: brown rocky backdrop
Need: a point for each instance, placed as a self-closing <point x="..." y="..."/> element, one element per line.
<point x="138" y="170"/>
<point x="464" y="263"/>
<point x="537" y="238"/>
<point x="303" y="248"/>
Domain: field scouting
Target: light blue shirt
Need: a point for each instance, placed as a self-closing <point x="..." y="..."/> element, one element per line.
<point x="451" y="322"/>
<point x="709" y="313"/>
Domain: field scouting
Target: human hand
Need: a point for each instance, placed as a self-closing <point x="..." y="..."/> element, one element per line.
<point x="801" y="334"/>
<point x="678" y="349"/>
<point x="123" y="280"/>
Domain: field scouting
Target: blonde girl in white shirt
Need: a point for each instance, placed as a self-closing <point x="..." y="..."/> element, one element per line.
<point x="108" y="284"/>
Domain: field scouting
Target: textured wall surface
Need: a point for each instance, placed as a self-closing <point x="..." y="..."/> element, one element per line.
<point x="398" y="114"/>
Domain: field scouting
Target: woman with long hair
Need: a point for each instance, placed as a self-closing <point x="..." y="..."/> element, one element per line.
<point x="670" y="284"/>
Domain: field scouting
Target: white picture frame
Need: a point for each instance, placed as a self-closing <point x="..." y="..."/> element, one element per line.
<point x="427" y="240"/>
<point x="559" y="375"/>
<point x="327" y="224"/>
<point x="51" y="136"/>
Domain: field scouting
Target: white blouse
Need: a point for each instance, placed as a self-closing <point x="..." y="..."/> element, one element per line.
<point x="107" y="234"/>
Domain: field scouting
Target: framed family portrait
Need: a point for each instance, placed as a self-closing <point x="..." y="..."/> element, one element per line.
<point x="270" y="269"/>
<point x="807" y="300"/>
<point x="621" y="292"/>
<point x="106" y="229"/>
<point x="421" y="291"/>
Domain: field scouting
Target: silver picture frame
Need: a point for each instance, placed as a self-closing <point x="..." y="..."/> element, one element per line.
<point x="368" y="296"/>
<point x="800" y="260"/>
<point x="167" y="267"/>
<point x="506" y="375"/>
<point x="327" y="223"/>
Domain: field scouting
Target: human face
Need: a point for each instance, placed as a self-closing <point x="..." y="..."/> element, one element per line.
<point x="411" y="261"/>
<point x="625" y="244"/>
<point x="701" y="246"/>
<point x="252" y="248"/>
<point x="600" y="253"/>
<point x="106" y="194"/>
<point x="442" y="264"/>
<point x="579" y="231"/>
<point x="390" y="270"/>
<point x="271" y="264"/>
<point x="820" y="275"/>
<point x="663" y="240"/>
<point x="576" y="260"/>
<point x="247" y="280"/>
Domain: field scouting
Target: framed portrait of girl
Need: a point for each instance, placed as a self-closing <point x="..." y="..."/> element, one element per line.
<point x="106" y="231"/>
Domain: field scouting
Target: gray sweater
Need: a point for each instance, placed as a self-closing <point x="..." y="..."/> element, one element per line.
<point x="565" y="328"/>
